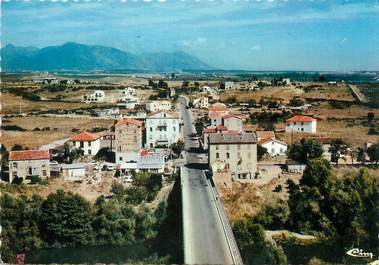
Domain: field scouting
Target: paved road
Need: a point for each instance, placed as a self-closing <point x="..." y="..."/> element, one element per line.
<point x="205" y="241"/>
<point x="358" y="93"/>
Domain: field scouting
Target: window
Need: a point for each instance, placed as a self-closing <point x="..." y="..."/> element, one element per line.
<point x="302" y="129"/>
<point x="81" y="144"/>
<point x="216" y="146"/>
<point x="89" y="143"/>
<point x="174" y="129"/>
<point x="30" y="170"/>
<point x="120" y="131"/>
<point x="73" y="142"/>
<point x="44" y="173"/>
<point x="89" y="152"/>
<point x="227" y="155"/>
<point x="120" y="158"/>
<point x="14" y="165"/>
<point x="151" y="129"/>
<point x="217" y="155"/>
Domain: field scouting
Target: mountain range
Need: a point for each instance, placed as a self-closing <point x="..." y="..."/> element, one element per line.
<point x="73" y="56"/>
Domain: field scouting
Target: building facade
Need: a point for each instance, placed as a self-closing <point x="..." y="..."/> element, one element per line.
<point x="232" y="122"/>
<point x="90" y="143"/>
<point x="274" y="147"/>
<point x="237" y="152"/>
<point x="302" y="124"/>
<point x="128" y="142"/>
<point x="29" y="163"/>
<point x="162" y="129"/>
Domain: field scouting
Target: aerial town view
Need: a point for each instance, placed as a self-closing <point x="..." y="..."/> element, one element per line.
<point x="189" y="132"/>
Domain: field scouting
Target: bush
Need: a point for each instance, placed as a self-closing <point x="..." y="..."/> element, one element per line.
<point x="12" y="128"/>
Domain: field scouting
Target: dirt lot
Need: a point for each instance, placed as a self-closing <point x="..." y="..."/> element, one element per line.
<point x="285" y="94"/>
<point x="34" y="139"/>
<point x="89" y="191"/>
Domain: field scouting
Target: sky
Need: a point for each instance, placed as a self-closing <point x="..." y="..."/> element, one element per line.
<point x="320" y="35"/>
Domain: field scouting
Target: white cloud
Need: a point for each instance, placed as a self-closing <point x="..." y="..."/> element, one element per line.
<point x="196" y="42"/>
<point x="256" y="47"/>
<point x="343" y="40"/>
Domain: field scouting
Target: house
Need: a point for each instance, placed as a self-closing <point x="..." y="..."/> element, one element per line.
<point x="73" y="172"/>
<point x="158" y="105"/>
<point x="96" y="96"/>
<point x="216" y="118"/>
<point x="210" y="130"/>
<point x="220" y="108"/>
<point x="274" y="147"/>
<point x="232" y="122"/>
<point x="29" y="163"/>
<point x="128" y="134"/>
<point x="162" y="129"/>
<point x="201" y="102"/>
<point x="129" y="91"/>
<point x="261" y="135"/>
<point x="229" y="85"/>
<point x="286" y="81"/>
<point x="209" y="90"/>
<point x="88" y="142"/>
<point x="128" y="101"/>
<point x="302" y="124"/>
<point x="238" y="153"/>
<point x="153" y="163"/>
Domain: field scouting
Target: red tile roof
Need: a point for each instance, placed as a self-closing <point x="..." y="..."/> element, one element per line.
<point x="263" y="141"/>
<point x="129" y="121"/>
<point x="29" y="155"/>
<point x="300" y="118"/>
<point x="217" y="108"/>
<point x="228" y="116"/>
<point x="86" y="136"/>
<point x="165" y="111"/>
<point x="265" y="135"/>
<point x="214" y="114"/>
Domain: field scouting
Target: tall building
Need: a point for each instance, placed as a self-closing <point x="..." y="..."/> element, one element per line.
<point x="162" y="129"/>
<point x="128" y="133"/>
<point x="237" y="153"/>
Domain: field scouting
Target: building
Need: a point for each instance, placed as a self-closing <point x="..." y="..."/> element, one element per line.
<point x="129" y="91"/>
<point x="261" y="135"/>
<point x="237" y="152"/>
<point x="216" y="118"/>
<point x="128" y="101"/>
<point x="229" y="85"/>
<point x="210" y="130"/>
<point x="162" y="129"/>
<point x="27" y="163"/>
<point x="153" y="163"/>
<point x="128" y="134"/>
<point x="220" y="108"/>
<point x="201" y="102"/>
<point x="158" y="105"/>
<point x="301" y="124"/>
<point x="90" y="143"/>
<point x="286" y="81"/>
<point x="96" y="96"/>
<point x="232" y="122"/>
<point x="73" y="172"/>
<point x="274" y="147"/>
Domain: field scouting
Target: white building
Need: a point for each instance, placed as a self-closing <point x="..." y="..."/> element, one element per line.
<point x="301" y="124"/>
<point x="90" y="143"/>
<point x="128" y="101"/>
<point x="274" y="147"/>
<point x="209" y="90"/>
<point x="153" y="163"/>
<point x="96" y="96"/>
<point x="263" y="135"/>
<point x="230" y="85"/>
<point x="201" y="102"/>
<point x="232" y="122"/>
<point x="153" y="106"/>
<point x="73" y="172"/>
<point x="162" y="128"/>
<point x="129" y="91"/>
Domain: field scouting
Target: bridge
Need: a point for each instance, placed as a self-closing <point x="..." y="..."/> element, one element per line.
<point x="207" y="234"/>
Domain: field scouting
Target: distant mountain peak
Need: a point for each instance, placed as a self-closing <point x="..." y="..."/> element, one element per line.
<point x="77" y="56"/>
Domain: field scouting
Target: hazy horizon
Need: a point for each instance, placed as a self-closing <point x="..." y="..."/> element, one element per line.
<point x="267" y="35"/>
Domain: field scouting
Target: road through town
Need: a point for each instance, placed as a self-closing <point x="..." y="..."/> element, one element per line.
<point x="205" y="240"/>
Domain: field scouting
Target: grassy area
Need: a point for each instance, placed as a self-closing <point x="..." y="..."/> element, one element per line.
<point x="63" y="129"/>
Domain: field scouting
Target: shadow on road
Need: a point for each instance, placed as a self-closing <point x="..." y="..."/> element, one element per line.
<point x="197" y="165"/>
<point x="196" y="150"/>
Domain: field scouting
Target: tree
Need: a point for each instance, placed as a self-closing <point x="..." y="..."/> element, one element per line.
<point x="305" y="150"/>
<point x="248" y="234"/>
<point x="361" y="156"/>
<point x="296" y="102"/>
<point x="337" y="148"/>
<point x="18" y="147"/>
<point x="178" y="147"/>
<point x="261" y="151"/>
<point x="373" y="153"/>
<point x="370" y="116"/>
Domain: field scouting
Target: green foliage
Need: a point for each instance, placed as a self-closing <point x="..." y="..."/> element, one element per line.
<point x="261" y="151"/>
<point x="305" y="150"/>
<point x="345" y="209"/>
<point x="296" y="102"/>
<point x="178" y="147"/>
<point x="373" y="153"/>
<point x="370" y="116"/>
<point x="337" y="148"/>
<point x="12" y="128"/>
<point x="273" y="217"/>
